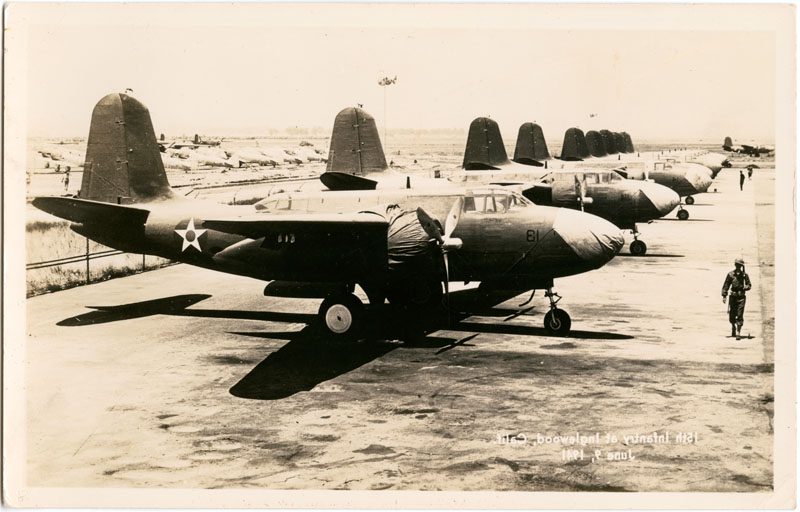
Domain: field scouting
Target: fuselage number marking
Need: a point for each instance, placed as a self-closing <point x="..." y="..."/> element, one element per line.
<point x="533" y="235"/>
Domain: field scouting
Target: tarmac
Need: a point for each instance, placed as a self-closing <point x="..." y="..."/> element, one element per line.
<point x="188" y="378"/>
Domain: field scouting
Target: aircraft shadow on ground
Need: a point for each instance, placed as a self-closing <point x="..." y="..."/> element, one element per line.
<point x="310" y="357"/>
<point x="175" y="306"/>
<point x="526" y="330"/>
<point x="625" y="255"/>
<point x="687" y="220"/>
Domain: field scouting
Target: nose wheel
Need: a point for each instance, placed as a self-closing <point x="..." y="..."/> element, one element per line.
<point x="683" y="214"/>
<point x="638" y="247"/>
<point x="557" y="321"/>
<point x="689" y="200"/>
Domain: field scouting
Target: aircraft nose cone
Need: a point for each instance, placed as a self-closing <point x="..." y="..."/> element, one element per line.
<point x="700" y="180"/>
<point x="594" y="240"/>
<point x="660" y="198"/>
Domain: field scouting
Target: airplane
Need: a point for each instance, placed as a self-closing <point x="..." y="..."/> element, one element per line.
<point x="603" y="193"/>
<point x="685" y="178"/>
<point x="747" y="149"/>
<point x="491" y="235"/>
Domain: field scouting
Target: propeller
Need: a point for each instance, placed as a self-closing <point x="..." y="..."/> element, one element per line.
<point x="446" y="243"/>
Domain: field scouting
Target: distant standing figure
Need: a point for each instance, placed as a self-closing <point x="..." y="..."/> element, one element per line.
<point x="66" y="179"/>
<point x="738" y="282"/>
<point x="749" y="173"/>
<point x="741" y="180"/>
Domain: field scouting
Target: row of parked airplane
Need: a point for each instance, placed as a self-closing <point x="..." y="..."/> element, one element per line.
<point x="514" y="226"/>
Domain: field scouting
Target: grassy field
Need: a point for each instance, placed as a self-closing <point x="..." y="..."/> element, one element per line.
<point x="47" y="241"/>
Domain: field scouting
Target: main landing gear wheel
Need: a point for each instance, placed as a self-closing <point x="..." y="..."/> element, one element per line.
<point x="638" y="248"/>
<point x="683" y="214"/>
<point x="689" y="200"/>
<point x="341" y="315"/>
<point x="557" y="322"/>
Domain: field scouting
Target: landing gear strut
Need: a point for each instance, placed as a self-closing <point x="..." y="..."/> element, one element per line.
<point x="342" y="315"/>
<point x="638" y="247"/>
<point x="557" y="321"/>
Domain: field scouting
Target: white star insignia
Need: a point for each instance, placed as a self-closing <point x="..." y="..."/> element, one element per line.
<point x="191" y="236"/>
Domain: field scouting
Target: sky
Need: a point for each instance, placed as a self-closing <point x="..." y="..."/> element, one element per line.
<point x="244" y="71"/>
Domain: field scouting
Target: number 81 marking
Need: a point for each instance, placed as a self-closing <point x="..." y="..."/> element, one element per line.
<point x="533" y="235"/>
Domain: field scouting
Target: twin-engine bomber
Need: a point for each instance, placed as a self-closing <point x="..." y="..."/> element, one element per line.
<point x="400" y="246"/>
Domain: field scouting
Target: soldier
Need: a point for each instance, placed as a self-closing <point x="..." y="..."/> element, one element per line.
<point x="738" y="282"/>
<point x="741" y="180"/>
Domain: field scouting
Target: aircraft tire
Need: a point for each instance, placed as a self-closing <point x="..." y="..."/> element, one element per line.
<point x="638" y="248"/>
<point x="557" y="322"/>
<point x="341" y="315"/>
<point x="689" y="200"/>
<point x="683" y="214"/>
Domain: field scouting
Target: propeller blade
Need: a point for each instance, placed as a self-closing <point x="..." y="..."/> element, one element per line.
<point x="453" y="217"/>
<point x="447" y="285"/>
<point x="580" y="190"/>
<point x="429" y="225"/>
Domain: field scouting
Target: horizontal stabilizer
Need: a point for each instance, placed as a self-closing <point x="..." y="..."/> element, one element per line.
<point x="344" y="181"/>
<point x="89" y="212"/>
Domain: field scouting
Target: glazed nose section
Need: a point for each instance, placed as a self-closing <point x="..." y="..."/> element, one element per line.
<point x="594" y="240"/>
<point x="659" y="198"/>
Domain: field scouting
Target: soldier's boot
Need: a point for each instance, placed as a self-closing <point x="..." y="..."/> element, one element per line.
<point x="733" y="330"/>
<point x="738" y="332"/>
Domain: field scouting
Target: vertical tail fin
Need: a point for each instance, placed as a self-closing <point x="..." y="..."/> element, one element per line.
<point x="485" y="149"/>
<point x="610" y="143"/>
<point x="574" y="147"/>
<point x="728" y="144"/>
<point x="531" y="147"/>
<point x="619" y="142"/>
<point x="628" y="143"/>
<point x="123" y="162"/>
<point x="594" y="141"/>
<point x="355" y="144"/>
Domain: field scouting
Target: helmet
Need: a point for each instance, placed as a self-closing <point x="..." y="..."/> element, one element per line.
<point x="739" y="261"/>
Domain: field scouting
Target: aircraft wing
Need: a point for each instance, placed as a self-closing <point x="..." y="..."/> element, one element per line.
<point x="261" y="225"/>
<point x="308" y="247"/>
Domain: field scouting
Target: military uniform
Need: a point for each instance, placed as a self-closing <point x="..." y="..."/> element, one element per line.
<point x="738" y="282"/>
